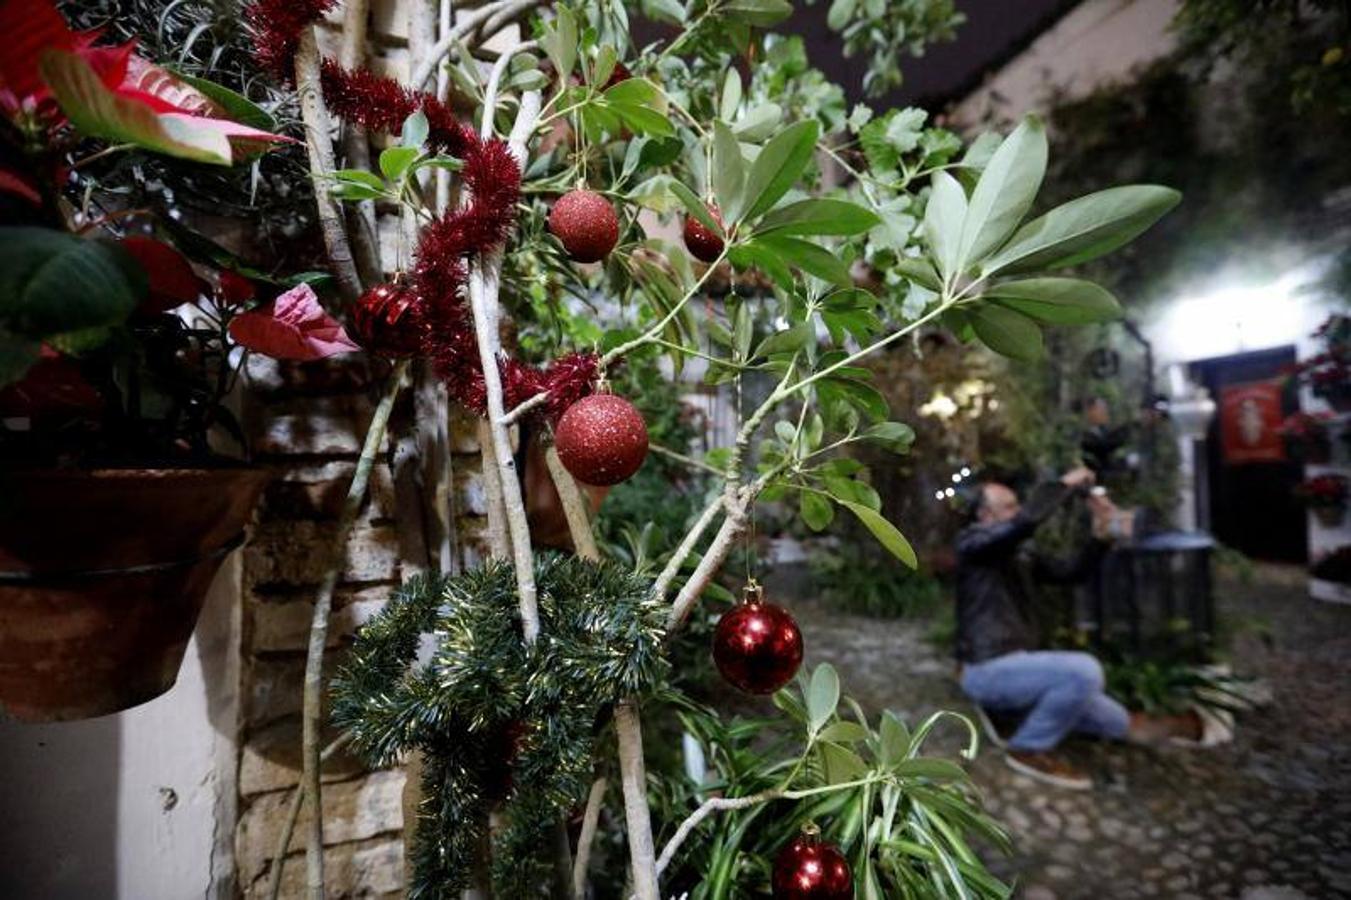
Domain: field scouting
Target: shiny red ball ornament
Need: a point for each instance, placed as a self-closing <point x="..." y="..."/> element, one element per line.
<point x="757" y="645"/>
<point x="703" y="243"/>
<point x="601" y="439"/>
<point x="811" y="869"/>
<point x="586" y="224"/>
<point x="385" y="321"/>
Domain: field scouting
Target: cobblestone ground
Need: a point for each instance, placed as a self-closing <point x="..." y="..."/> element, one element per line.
<point x="1267" y="817"/>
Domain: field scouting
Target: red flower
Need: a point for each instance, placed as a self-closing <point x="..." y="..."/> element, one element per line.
<point x="294" y="326"/>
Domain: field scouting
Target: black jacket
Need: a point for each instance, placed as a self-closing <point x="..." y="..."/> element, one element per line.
<point x="993" y="615"/>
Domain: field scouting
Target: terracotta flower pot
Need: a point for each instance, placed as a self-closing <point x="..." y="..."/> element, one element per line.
<point x="102" y="576"/>
<point x="1330" y="516"/>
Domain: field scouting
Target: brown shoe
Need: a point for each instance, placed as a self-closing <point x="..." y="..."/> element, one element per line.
<point x="1185" y="729"/>
<point x="1048" y="769"/>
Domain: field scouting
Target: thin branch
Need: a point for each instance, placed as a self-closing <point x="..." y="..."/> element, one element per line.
<point x="323" y="605"/>
<point x="676" y="456"/>
<point x="709" y="564"/>
<point x="498" y="543"/>
<point x="293" y="815"/>
<point x="587" y="837"/>
<point x="633" y="778"/>
<point x="508" y="8"/>
<point x="647" y="336"/>
<point x="319" y="142"/>
<point x="356" y="147"/>
<point x="515" y="415"/>
<point x="495" y="80"/>
<point x="574" y="506"/>
<point x="686" y="547"/>
<point x="706" y="809"/>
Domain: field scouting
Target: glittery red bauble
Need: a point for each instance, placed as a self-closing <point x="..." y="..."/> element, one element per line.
<point x="385" y="321"/>
<point x="601" y="439"/>
<point x="757" y="646"/>
<point x="810" y="869"/>
<point x="586" y="224"/>
<point x="704" y="244"/>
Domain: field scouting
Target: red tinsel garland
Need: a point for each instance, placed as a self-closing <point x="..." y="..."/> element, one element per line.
<point x="493" y="180"/>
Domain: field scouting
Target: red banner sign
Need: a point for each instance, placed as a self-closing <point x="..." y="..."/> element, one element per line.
<point x="1249" y="416"/>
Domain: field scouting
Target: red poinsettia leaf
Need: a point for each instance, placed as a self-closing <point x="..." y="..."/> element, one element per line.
<point x="294" y="326"/>
<point x="235" y="288"/>
<point x="111" y="64"/>
<point x="13" y="183"/>
<point x="52" y="386"/>
<point x="172" y="280"/>
<point x="29" y="28"/>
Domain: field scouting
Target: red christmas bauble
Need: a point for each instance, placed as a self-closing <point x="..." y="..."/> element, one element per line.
<point x="601" y="439"/>
<point x="385" y="321"/>
<point x="586" y="224"/>
<point x="703" y="243"/>
<point x="811" y="869"/>
<point x="757" y="646"/>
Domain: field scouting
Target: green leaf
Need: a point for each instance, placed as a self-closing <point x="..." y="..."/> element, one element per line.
<point x="894" y="434"/>
<point x="1007" y="332"/>
<point x="841" y="11"/>
<point x="787" y="341"/>
<point x="778" y="167"/>
<point x="818" y="216"/>
<point x="731" y="95"/>
<point x="842" y="764"/>
<point x="560" y="42"/>
<point x="759" y="122"/>
<point x="920" y="271"/>
<point x="52" y="282"/>
<point x="17" y="355"/>
<point x="98" y="112"/>
<point x="1004" y="193"/>
<point x="809" y="257"/>
<point x="655" y="193"/>
<point x="394" y="161"/>
<point x="695" y="207"/>
<point x="236" y="106"/>
<point x="817" y="511"/>
<point x="845" y="732"/>
<point x="934" y="769"/>
<point x="1060" y="301"/>
<point x="758" y="13"/>
<point x="1083" y="229"/>
<point x="359" y="176"/>
<point x="943" y="217"/>
<point x="895" y="739"/>
<point x="886" y="533"/>
<point x="823" y="695"/>
<point x="415" y="130"/>
<point x="728" y="173"/>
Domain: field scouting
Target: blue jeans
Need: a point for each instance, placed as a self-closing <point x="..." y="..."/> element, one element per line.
<point x="1061" y="691"/>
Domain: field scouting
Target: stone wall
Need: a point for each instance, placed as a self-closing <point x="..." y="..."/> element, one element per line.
<point x="307" y="423"/>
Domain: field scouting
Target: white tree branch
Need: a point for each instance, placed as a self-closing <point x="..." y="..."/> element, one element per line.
<point x="503" y="10"/>
<point x="590" y="821"/>
<point x="633" y="778"/>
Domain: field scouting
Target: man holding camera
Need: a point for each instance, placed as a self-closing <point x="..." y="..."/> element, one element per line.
<point x="1000" y="667"/>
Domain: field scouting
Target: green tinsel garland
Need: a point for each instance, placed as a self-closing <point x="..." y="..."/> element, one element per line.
<point x="501" y="725"/>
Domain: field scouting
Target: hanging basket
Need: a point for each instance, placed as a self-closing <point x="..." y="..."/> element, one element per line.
<point x="102" y="576"/>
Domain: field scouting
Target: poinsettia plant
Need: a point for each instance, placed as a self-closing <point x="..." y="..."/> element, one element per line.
<point x="1324" y="492"/>
<point x="116" y="345"/>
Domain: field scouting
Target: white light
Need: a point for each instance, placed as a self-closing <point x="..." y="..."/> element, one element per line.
<point x="949" y="493"/>
<point x="938" y="495"/>
<point x="956" y="477"/>
<point x="1232" y="319"/>
<point x="966" y="471"/>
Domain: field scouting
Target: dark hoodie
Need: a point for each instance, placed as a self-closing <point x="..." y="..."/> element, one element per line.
<point x="993" y="615"/>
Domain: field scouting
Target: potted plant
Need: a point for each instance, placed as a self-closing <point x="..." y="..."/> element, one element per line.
<point x="124" y="473"/>
<point x="1328" y="374"/>
<point x="1326" y="496"/>
<point x="1306" y="437"/>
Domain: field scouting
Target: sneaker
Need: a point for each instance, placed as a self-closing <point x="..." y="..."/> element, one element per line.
<point x="1048" y="769"/>
<point x="998" y="726"/>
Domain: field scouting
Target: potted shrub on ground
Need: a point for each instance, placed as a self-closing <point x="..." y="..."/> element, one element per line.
<point x="1328" y="374"/>
<point x="1326" y="496"/>
<point x="122" y="468"/>
<point x="1306" y="437"/>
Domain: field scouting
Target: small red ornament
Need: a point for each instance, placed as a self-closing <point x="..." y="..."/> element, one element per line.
<point x="601" y="439"/>
<point x="586" y="224"/>
<point x="757" y="645"/>
<point x="703" y="243"/>
<point x="811" y="869"/>
<point x="385" y="320"/>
